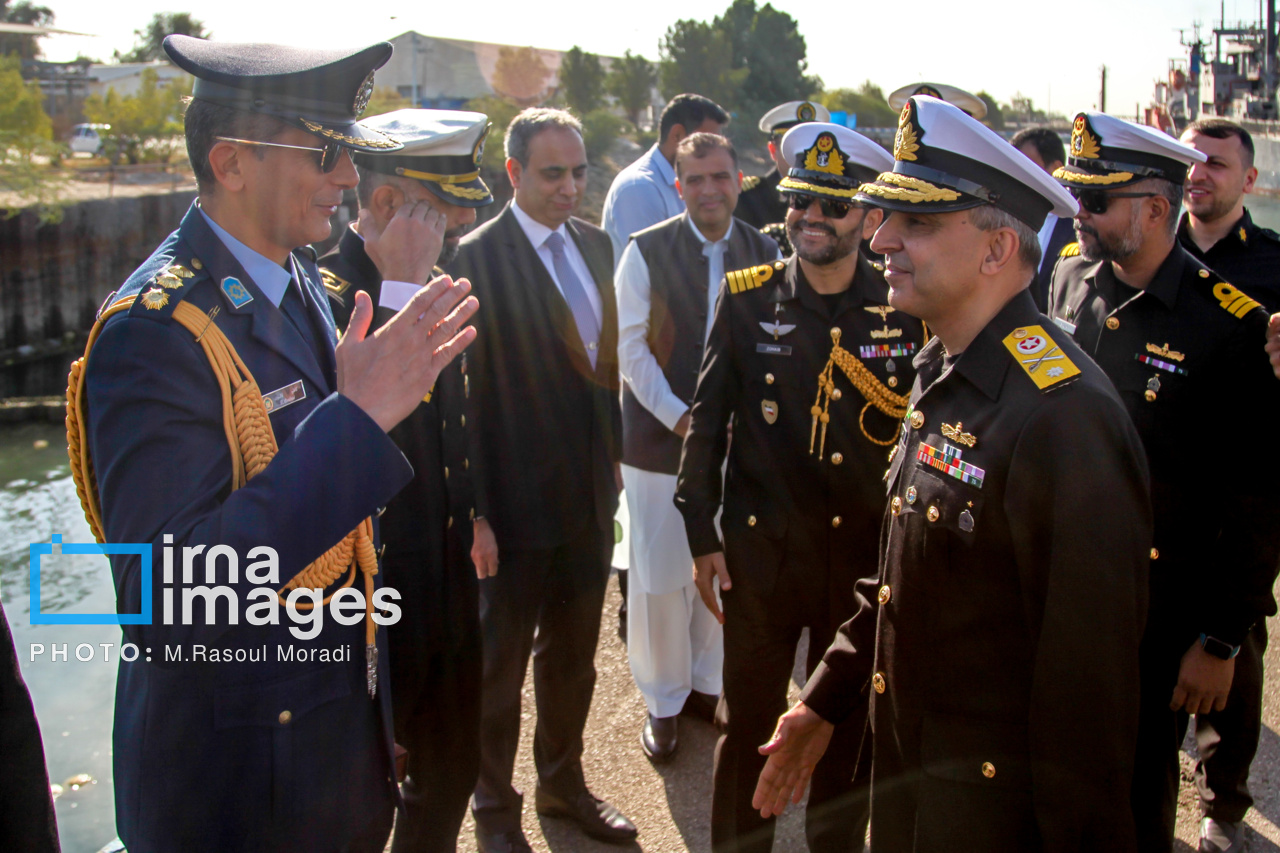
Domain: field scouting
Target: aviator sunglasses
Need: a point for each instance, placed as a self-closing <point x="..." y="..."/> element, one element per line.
<point x="830" y="209"/>
<point x="329" y="154"/>
<point x="1097" y="201"/>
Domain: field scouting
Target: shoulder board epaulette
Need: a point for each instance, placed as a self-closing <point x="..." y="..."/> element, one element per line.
<point x="1269" y="234"/>
<point x="750" y="182"/>
<point x="159" y="297"/>
<point x="1040" y="357"/>
<point x="1233" y="300"/>
<point x="750" y="278"/>
<point x="336" y="286"/>
<point x="1070" y="250"/>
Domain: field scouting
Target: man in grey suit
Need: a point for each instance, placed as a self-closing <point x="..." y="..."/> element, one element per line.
<point x="546" y="440"/>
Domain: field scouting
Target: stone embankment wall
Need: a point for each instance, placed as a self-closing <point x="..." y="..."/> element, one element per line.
<point x="54" y="277"/>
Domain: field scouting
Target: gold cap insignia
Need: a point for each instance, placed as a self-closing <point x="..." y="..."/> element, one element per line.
<point x="824" y="156"/>
<point x="806" y="112"/>
<point x="907" y="141"/>
<point x="930" y="91"/>
<point x="478" y="153"/>
<point x="1083" y="142"/>
<point x="363" y="96"/>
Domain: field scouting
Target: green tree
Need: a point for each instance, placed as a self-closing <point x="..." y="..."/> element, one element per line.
<point x="23" y="12"/>
<point x="26" y="138"/>
<point x="631" y="80"/>
<point x="386" y="100"/>
<point x="582" y="81"/>
<point x="149" y="44"/>
<point x="871" y="111"/>
<point x="521" y="76"/>
<point x="147" y="125"/>
<point x="768" y="44"/>
<point x="995" y="116"/>
<point x="698" y="57"/>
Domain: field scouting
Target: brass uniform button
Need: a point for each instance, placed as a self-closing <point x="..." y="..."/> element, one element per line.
<point x="1113" y="323"/>
<point x="768" y="378"/>
<point x="837" y="458"/>
<point x="877" y="682"/>
<point x="473" y="514"/>
<point x="835" y="522"/>
<point x="893" y="382"/>
<point x="1204" y="273"/>
<point x="988" y="770"/>
<point x="1155" y="555"/>
<point x="449" y="526"/>
<point x="751" y="521"/>
<point x="885" y="594"/>
<point x="917" y="419"/>
<point x="836" y="395"/>
<point x="896" y="506"/>
<point x="466" y="464"/>
<point x="894" y="452"/>
<point x="932" y="514"/>
<point x="286" y="717"/>
<point x="197" y="264"/>
<point x="835" y="330"/>
<point x="446" y="472"/>
<point x="1149" y="395"/>
<point x="464" y="420"/>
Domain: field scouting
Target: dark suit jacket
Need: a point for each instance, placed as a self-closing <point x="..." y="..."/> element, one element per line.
<point x="27" y="821"/>
<point x="205" y="758"/>
<point x="1063" y="233"/>
<point x="548" y="427"/>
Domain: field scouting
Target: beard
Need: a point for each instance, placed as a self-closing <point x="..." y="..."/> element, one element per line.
<point x="449" y="250"/>
<point x="1211" y="209"/>
<point x="1114" y="247"/>
<point x="840" y="249"/>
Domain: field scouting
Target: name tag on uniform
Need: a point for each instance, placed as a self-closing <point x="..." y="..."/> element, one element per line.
<point x="773" y="349"/>
<point x="286" y="396"/>
<point x="1064" y="325"/>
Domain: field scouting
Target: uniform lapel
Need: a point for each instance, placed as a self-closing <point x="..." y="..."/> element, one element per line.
<point x="267" y="324"/>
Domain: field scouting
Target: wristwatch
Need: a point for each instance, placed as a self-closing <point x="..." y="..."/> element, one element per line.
<point x="1218" y="648"/>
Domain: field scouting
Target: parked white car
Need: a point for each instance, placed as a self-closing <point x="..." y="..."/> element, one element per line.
<point x="87" y="138"/>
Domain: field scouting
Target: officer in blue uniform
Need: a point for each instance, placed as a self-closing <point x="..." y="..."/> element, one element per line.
<point x="233" y="732"/>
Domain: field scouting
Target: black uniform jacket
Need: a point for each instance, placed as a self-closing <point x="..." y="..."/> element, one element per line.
<point x="426" y="528"/>
<point x="1248" y="257"/>
<point x="536" y="398"/>
<point x="1186" y="356"/>
<point x="760" y="204"/>
<point x="789" y="513"/>
<point x="1001" y="637"/>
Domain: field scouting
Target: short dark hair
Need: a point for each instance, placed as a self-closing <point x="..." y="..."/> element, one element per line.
<point x="1045" y="140"/>
<point x="689" y="111"/>
<point x="205" y="121"/>
<point x="1224" y="128"/>
<point x="699" y="145"/>
<point x="529" y="123"/>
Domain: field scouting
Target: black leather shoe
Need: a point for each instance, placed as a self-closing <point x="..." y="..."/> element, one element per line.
<point x="502" y="842"/>
<point x="701" y="706"/>
<point x="595" y="817"/>
<point x="1221" y="836"/>
<point x="658" y="738"/>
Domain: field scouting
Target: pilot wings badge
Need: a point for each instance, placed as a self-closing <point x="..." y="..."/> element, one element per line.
<point x="777" y="329"/>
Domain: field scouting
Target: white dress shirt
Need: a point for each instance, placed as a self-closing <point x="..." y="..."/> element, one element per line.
<point x="538" y="234"/>
<point x="639" y="367"/>
<point x="272" y="279"/>
<point x="1046" y="234"/>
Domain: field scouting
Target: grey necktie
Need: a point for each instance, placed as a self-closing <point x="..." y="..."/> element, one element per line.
<point x="575" y="293"/>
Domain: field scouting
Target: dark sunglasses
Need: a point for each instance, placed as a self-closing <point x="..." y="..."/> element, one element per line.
<point x="1097" y="201"/>
<point x="830" y="209"/>
<point x="329" y="154"/>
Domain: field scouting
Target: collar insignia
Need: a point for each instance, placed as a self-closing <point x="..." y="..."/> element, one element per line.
<point x="1243" y="237"/>
<point x="236" y="292"/>
<point x="958" y="435"/>
<point x="1165" y="352"/>
<point x="1083" y="142"/>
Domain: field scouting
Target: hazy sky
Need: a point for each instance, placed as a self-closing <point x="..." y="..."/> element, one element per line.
<point x="1005" y="47"/>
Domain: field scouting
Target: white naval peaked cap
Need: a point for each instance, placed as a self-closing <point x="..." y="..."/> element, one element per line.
<point x="830" y="160"/>
<point x="945" y="160"/>
<point x="442" y="150"/>
<point x="1110" y="152"/>
<point x="966" y="101"/>
<point x="792" y="113"/>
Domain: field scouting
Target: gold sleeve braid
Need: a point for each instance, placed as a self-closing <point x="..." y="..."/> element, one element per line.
<point x="876" y="394"/>
<point x="252" y="444"/>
